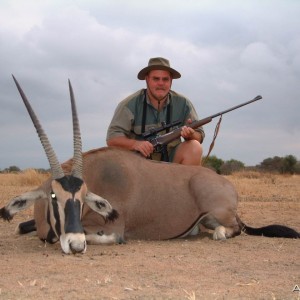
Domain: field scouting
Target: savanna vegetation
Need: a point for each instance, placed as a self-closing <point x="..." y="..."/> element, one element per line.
<point x="278" y="165"/>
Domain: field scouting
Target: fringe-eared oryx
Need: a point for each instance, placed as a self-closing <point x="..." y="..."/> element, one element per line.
<point x="150" y="200"/>
<point x="59" y="201"/>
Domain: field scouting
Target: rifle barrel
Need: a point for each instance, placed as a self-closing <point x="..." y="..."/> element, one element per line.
<point x="237" y="106"/>
<point x="176" y="133"/>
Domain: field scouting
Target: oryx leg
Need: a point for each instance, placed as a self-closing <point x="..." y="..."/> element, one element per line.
<point x="224" y="224"/>
<point x="26" y="227"/>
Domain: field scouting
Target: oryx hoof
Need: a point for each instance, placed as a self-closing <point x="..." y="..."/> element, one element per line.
<point x="219" y="233"/>
<point x="121" y="240"/>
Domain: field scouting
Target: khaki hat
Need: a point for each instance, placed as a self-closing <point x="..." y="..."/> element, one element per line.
<point x="158" y="63"/>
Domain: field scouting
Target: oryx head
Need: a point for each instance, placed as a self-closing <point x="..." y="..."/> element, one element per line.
<point x="65" y="194"/>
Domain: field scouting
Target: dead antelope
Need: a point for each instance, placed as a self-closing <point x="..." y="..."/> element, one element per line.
<point x="150" y="203"/>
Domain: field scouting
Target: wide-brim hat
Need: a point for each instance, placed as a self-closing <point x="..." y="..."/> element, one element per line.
<point x="158" y="63"/>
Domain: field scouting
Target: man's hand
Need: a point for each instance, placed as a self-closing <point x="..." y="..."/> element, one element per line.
<point x="189" y="133"/>
<point x="144" y="147"/>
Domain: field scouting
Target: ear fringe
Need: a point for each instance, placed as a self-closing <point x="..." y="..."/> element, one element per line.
<point x="21" y="202"/>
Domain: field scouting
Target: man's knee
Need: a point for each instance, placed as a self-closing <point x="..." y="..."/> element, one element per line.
<point x="189" y="153"/>
<point x="195" y="148"/>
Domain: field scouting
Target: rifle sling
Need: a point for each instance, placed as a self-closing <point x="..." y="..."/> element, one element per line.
<point x="214" y="138"/>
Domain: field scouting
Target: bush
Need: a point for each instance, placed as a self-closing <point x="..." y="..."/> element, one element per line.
<point x="212" y="162"/>
<point x="231" y="166"/>
<point x="282" y="165"/>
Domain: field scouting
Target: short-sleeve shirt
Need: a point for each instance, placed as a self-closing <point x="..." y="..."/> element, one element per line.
<point x="128" y="117"/>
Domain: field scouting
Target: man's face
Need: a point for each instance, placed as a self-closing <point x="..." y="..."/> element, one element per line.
<point x="159" y="84"/>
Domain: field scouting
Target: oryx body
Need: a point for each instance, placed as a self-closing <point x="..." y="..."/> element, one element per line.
<point x="157" y="200"/>
<point x="154" y="200"/>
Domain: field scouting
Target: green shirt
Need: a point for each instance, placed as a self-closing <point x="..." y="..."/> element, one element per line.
<point x="127" y="119"/>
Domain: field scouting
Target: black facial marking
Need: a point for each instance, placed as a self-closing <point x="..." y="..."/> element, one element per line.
<point x="70" y="183"/>
<point x="72" y="217"/>
<point x="51" y="236"/>
<point x="56" y="216"/>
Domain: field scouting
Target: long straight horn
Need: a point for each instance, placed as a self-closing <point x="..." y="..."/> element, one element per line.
<point x="56" y="169"/>
<point x="77" y="159"/>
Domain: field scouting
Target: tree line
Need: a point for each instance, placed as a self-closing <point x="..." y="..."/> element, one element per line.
<point x="15" y="169"/>
<point x="280" y="165"/>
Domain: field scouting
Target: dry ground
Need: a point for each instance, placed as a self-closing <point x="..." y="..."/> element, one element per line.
<point x="244" y="267"/>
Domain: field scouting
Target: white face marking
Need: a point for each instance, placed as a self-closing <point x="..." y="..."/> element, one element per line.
<point x="73" y="243"/>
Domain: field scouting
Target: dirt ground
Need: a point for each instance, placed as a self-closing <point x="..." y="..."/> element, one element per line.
<point x="244" y="267"/>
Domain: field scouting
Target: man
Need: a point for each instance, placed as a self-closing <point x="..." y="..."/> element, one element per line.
<point x="148" y="108"/>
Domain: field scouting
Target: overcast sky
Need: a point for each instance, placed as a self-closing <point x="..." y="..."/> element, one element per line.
<point x="228" y="52"/>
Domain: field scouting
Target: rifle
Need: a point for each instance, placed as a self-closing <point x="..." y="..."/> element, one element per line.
<point x="164" y="126"/>
<point x="160" y="141"/>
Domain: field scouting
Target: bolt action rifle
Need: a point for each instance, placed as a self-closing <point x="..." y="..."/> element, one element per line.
<point x="160" y="141"/>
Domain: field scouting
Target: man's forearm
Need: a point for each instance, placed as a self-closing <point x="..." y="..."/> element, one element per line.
<point x="144" y="147"/>
<point x="121" y="141"/>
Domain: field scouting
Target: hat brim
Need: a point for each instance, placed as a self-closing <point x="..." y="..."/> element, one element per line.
<point x="142" y="74"/>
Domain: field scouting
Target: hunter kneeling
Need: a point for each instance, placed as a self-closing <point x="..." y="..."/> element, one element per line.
<point x="139" y="117"/>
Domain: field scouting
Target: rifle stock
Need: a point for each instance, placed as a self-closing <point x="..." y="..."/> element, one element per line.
<point x="176" y="133"/>
<point x="164" y="139"/>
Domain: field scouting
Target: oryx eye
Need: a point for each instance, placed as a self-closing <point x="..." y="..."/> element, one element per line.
<point x="53" y="196"/>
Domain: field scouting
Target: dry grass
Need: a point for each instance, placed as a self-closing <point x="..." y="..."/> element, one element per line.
<point x="29" y="177"/>
<point x="256" y="186"/>
<point x="251" y="185"/>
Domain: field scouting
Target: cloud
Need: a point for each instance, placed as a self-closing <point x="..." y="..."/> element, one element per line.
<point x="227" y="53"/>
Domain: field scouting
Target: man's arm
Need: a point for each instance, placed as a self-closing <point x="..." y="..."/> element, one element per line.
<point x="144" y="147"/>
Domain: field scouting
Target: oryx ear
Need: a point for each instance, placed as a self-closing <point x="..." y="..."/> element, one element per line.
<point x="101" y="206"/>
<point x="20" y="203"/>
